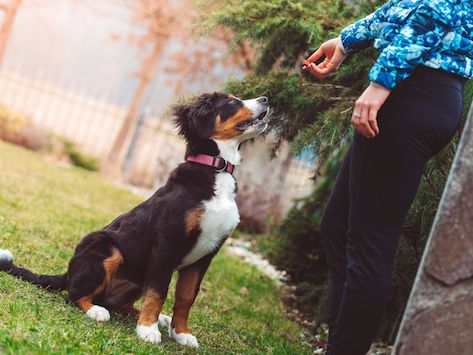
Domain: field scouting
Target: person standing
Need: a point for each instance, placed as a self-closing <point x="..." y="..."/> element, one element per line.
<point x="408" y="113"/>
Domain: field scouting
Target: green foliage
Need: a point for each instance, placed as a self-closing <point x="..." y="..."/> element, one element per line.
<point x="317" y="115"/>
<point x="79" y="159"/>
<point x="44" y="211"/>
<point x="284" y="33"/>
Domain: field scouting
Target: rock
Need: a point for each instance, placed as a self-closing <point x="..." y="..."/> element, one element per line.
<point x="242" y="249"/>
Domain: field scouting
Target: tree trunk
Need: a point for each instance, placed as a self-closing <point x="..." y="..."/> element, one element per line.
<point x="5" y="30"/>
<point x="116" y="155"/>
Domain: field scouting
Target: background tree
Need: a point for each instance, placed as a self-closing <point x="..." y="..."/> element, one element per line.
<point x="316" y="115"/>
<point x="162" y="21"/>
<point x="9" y="8"/>
<point x="160" y="18"/>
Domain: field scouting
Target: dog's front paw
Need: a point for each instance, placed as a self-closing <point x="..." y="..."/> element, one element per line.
<point x="99" y="314"/>
<point x="186" y="339"/>
<point x="149" y="333"/>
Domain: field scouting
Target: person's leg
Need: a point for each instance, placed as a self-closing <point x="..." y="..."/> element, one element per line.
<point x="379" y="199"/>
<point x="333" y="229"/>
<point x="415" y="123"/>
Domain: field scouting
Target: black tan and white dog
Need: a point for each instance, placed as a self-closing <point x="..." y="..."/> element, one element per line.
<point x="181" y="227"/>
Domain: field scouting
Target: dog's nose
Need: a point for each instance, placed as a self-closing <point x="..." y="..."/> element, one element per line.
<point x="263" y="99"/>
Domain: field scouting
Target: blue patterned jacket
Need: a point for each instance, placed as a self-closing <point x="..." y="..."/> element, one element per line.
<point x="434" y="33"/>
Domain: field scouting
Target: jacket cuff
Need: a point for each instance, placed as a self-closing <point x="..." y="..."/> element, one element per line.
<point x="381" y="76"/>
<point x="346" y="39"/>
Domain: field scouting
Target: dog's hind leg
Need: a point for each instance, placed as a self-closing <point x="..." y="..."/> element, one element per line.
<point x="89" y="281"/>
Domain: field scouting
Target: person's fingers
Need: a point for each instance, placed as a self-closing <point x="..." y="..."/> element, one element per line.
<point x="309" y="69"/>
<point x="319" y="73"/>
<point x="369" y="133"/>
<point x="317" y="54"/>
<point x="363" y="121"/>
<point x="331" y="67"/>
<point x="324" y="63"/>
<point x="359" y="128"/>
<point x="367" y="107"/>
<point x="333" y="60"/>
<point x="372" y="119"/>
<point x="332" y="64"/>
<point x="356" y="116"/>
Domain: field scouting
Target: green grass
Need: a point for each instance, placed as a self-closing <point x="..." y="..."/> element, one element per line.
<point x="46" y="208"/>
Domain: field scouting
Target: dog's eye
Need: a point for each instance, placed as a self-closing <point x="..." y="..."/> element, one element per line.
<point x="233" y="101"/>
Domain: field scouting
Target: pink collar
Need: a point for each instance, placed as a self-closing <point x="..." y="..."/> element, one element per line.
<point x="218" y="163"/>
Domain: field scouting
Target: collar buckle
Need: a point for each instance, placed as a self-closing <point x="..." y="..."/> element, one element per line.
<point x="217" y="167"/>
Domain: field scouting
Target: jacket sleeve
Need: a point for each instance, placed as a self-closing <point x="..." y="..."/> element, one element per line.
<point x="423" y="33"/>
<point x="360" y="35"/>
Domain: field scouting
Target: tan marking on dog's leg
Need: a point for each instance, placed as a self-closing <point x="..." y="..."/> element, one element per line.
<point x="193" y="218"/>
<point x="186" y="291"/>
<point x="151" y="308"/>
<point x="85" y="303"/>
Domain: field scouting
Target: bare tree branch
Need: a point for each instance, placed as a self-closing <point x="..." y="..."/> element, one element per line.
<point x="333" y="86"/>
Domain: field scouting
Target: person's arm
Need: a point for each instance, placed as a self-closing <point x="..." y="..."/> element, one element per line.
<point x="427" y="26"/>
<point x="353" y="38"/>
<point x="360" y="35"/>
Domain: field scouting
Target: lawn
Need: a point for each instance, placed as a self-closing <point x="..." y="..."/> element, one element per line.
<point x="45" y="208"/>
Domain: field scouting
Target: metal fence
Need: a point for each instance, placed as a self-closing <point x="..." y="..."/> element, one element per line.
<point x="92" y="124"/>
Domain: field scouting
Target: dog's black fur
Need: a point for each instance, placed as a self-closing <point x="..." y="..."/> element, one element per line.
<point x="151" y="240"/>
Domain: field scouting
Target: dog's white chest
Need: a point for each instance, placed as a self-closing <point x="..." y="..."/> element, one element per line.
<point x="218" y="221"/>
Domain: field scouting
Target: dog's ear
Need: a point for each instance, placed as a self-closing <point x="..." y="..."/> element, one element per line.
<point x="196" y="119"/>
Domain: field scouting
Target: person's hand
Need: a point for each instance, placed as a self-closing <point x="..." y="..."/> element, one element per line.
<point x="365" y="113"/>
<point x="334" y="58"/>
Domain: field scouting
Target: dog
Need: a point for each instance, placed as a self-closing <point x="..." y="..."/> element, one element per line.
<point x="181" y="227"/>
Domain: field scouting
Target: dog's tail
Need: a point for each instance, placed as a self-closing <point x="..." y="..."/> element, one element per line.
<point x="50" y="282"/>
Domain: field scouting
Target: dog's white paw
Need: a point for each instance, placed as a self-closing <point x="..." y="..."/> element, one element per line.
<point x="6" y="255"/>
<point x="164" y="321"/>
<point x="149" y="333"/>
<point x="98" y="313"/>
<point x="186" y="339"/>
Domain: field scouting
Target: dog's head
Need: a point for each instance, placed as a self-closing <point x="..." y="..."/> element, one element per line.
<point x="221" y="117"/>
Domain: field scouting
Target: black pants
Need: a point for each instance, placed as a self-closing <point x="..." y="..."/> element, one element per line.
<point x="373" y="192"/>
